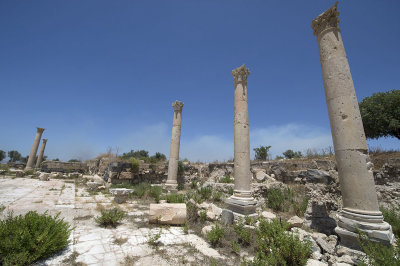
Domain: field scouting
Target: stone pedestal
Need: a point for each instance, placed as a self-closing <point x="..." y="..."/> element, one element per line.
<point x="241" y="201"/>
<point x="41" y="153"/>
<point x="360" y="203"/>
<point x="35" y="146"/>
<point x="172" y="182"/>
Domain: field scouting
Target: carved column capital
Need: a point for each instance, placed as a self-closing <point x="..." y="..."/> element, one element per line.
<point x="40" y="130"/>
<point x="177" y="105"/>
<point x="240" y="74"/>
<point x="328" y="19"/>
<point x="44" y="141"/>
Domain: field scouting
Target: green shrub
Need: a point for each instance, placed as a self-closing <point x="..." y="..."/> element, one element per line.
<point x="153" y="239"/>
<point x="181" y="168"/>
<point x="25" y="239"/>
<point x="275" y="199"/>
<point x="275" y="246"/>
<point x="29" y="172"/>
<point x="175" y="198"/>
<point x="226" y="179"/>
<point x="180" y="186"/>
<point x="392" y="216"/>
<point x="135" y="164"/>
<point x="244" y="234"/>
<point x="193" y="184"/>
<point x="110" y="217"/>
<point x="205" y="192"/>
<point x="155" y="193"/>
<point x="216" y="196"/>
<point x="186" y="227"/>
<point x="230" y="191"/>
<point x="235" y="247"/>
<point x="203" y="216"/>
<point x="215" y="235"/>
<point x="377" y="254"/>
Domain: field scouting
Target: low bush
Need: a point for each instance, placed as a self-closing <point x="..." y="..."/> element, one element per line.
<point x="235" y="247"/>
<point x="174" y="198"/>
<point x="289" y="199"/>
<point x="193" y="184"/>
<point x="154" y="238"/>
<point x="203" y="216"/>
<point x="181" y="168"/>
<point x="135" y="164"/>
<point x="226" y="179"/>
<point x="205" y="192"/>
<point x="377" y="254"/>
<point x="26" y="239"/>
<point x="276" y="246"/>
<point x="275" y="199"/>
<point x="243" y="233"/>
<point x="217" y="196"/>
<point x="392" y="216"/>
<point x="215" y="235"/>
<point x="110" y="218"/>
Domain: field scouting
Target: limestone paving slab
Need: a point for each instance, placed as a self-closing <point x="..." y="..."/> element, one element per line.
<point x="95" y="245"/>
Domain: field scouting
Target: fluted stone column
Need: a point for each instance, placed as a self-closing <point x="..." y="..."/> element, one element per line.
<point x="360" y="204"/>
<point x="174" y="149"/>
<point x="241" y="201"/>
<point x="35" y="146"/>
<point x="40" y="157"/>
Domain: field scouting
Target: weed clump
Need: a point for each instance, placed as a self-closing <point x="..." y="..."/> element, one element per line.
<point x="377" y="254"/>
<point x="275" y="246"/>
<point x="215" y="235"/>
<point x="174" y="198"/>
<point x="392" y="216"/>
<point x="26" y="239"/>
<point x="110" y="218"/>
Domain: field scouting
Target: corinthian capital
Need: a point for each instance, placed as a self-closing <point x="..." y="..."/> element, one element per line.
<point x="240" y="74"/>
<point x="40" y="130"/>
<point x="44" y="141"/>
<point x="328" y="19"/>
<point x="177" y="106"/>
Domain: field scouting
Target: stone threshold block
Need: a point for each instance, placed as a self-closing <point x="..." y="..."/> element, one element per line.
<point x="167" y="213"/>
<point x="241" y="206"/>
<point x="120" y="194"/>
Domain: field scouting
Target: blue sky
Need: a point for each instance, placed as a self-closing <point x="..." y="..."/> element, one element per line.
<point x="99" y="74"/>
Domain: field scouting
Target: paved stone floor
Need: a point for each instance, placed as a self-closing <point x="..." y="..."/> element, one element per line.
<point x="126" y="244"/>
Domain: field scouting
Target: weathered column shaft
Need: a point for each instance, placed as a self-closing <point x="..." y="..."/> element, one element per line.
<point x="175" y="144"/>
<point x="241" y="135"/>
<point x="35" y="146"/>
<point x="360" y="203"/>
<point x="41" y="153"/>
<point x="241" y="201"/>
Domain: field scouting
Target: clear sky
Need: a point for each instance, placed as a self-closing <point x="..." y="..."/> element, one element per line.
<point x="99" y="74"/>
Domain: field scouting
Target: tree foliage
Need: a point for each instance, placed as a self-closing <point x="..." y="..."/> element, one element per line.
<point x="290" y="154"/>
<point x="381" y="114"/>
<point x="140" y="154"/>
<point x="261" y="152"/>
<point x="2" y="155"/>
<point x="14" y="156"/>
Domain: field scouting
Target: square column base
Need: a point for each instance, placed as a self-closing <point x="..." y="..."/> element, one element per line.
<point x="170" y="187"/>
<point x="241" y="206"/>
<point x="373" y="226"/>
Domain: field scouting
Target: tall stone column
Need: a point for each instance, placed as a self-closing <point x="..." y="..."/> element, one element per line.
<point x="35" y="146"/>
<point x="40" y="157"/>
<point x="174" y="149"/>
<point x="360" y="204"/>
<point x="241" y="201"/>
